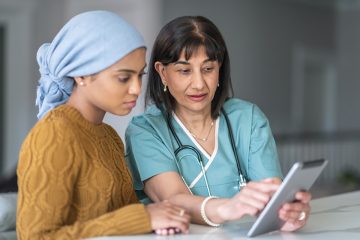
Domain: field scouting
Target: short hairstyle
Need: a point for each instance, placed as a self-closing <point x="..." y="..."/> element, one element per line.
<point x="187" y="34"/>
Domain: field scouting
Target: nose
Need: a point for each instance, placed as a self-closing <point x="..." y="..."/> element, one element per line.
<point x="135" y="86"/>
<point x="197" y="80"/>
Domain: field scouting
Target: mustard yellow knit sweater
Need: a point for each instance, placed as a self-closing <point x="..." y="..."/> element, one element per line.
<point x="74" y="183"/>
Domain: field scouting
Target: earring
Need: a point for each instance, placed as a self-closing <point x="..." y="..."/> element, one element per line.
<point x="165" y="89"/>
<point x="82" y="83"/>
<point x="218" y="85"/>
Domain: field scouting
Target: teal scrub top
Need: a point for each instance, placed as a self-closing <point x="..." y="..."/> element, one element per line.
<point x="150" y="150"/>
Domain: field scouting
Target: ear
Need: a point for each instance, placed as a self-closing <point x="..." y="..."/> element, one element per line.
<point x="160" y="68"/>
<point x="81" y="81"/>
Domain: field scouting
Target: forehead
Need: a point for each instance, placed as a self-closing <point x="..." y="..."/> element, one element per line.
<point x="199" y="54"/>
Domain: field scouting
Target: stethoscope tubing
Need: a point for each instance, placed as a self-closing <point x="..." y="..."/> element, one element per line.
<point x="241" y="172"/>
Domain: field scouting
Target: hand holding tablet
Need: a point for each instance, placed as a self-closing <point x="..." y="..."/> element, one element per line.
<point x="300" y="177"/>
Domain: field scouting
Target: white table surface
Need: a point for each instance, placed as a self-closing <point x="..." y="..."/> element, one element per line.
<point x="334" y="217"/>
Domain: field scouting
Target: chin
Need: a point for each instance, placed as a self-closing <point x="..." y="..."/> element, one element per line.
<point x="197" y="108"/>
<point x="121" y="112"/>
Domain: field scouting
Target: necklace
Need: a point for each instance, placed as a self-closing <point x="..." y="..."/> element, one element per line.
<point x="207" y="136"/>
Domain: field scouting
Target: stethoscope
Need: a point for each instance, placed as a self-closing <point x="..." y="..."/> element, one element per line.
<point x="181" y="147"/>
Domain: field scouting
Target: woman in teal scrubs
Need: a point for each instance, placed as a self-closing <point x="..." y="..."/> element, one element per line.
<point x="190" y="88"/>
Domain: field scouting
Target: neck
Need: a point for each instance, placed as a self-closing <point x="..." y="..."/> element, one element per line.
<point x="195" y="121"/>
<point x="89" y="111"/>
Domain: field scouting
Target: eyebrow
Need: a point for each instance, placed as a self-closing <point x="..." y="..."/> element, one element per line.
<point x="181" y="62"/>
<point x="187" y="63"/>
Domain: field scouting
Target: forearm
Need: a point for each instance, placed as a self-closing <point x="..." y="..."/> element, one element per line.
<point x="192" y="204"/>
<point x="169" y="186"/>
<point x="132" y="219"/>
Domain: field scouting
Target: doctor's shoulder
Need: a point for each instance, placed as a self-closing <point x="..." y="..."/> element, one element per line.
<point x="236" y="105"/>
<point x="246" y="111"/>
<point x="150" y="120"/>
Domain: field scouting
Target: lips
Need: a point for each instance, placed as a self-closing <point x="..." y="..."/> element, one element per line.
<point x="197" y="97"/>
<point x="130" y="104"/>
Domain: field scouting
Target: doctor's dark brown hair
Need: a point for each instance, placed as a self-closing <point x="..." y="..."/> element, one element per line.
<point x="187" y="34"/>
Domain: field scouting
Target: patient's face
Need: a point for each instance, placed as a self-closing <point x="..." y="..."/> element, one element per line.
<point x="117" y="88"/>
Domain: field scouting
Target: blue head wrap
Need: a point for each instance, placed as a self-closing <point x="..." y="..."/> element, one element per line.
<point x="89" y="43"/>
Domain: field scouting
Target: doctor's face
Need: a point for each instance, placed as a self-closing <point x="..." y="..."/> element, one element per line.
<point x="191" y="82"/>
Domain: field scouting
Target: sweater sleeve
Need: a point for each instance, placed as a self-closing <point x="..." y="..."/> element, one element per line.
<point x="47" y="172"/>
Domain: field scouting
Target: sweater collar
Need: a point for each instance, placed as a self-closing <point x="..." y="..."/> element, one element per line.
<point x="75" y="116"/>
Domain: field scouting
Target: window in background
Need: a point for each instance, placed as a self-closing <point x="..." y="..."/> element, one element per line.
<point x="314" y="86"/>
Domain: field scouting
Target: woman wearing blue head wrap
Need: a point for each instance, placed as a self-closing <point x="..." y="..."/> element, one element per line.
<point x="73" y="181"/>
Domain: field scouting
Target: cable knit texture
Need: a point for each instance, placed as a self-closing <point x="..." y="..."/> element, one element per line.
<point x="74" y="183"/>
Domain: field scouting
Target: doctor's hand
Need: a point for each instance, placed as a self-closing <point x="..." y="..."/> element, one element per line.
<point x="296" y="214"/>
<point x="250" y="200"/>
<point x="168" y="219"/>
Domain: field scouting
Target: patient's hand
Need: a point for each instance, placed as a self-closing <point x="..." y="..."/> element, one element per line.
<point x="168" y="219"/>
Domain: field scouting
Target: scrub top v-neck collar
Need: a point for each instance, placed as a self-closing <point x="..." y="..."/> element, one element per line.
<point x="200" y="148"/>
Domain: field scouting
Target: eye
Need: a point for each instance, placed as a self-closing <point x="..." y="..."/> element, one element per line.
<point x="124" y="79"/>
<point x="208" y="69"/>
<point x="184" y="71"/>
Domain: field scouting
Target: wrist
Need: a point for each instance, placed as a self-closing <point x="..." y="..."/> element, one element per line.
<point x="209" y="211"/>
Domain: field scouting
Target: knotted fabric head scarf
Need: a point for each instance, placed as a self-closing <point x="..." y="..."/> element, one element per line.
<point x="89" y="43"/>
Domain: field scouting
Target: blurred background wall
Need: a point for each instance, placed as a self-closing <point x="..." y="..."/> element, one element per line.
<point x="296" y="59"/>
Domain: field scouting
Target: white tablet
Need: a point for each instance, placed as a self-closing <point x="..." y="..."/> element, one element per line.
<point x="301" y="176"/>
